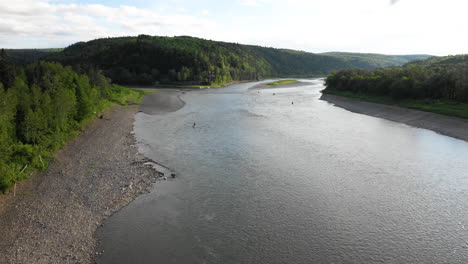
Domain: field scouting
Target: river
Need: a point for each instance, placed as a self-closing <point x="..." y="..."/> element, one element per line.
<point x="263" y="180"/>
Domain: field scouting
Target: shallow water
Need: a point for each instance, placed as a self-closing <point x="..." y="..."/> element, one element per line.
<point x="261" y="180"/>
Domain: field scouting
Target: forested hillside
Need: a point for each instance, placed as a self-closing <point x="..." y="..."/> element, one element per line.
<point x="147" y="60"/>
<point x="372" y="61"/>
<point x="28" y="56"/>
<point x="41" y="106"/>
<point x="440" y="84"/>
<point x="457" y="61"/>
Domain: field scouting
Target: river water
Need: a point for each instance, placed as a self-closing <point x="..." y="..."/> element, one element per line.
<point x="262" y="180"/>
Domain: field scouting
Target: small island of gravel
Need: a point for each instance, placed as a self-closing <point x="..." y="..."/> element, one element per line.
<point x="280" y="84"/>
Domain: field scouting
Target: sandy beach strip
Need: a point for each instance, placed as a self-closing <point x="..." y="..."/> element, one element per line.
<point x="442" y="124"/>
<point x="54" y="215"/>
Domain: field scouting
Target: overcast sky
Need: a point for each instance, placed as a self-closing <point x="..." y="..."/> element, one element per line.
<point x="379" y="26"/>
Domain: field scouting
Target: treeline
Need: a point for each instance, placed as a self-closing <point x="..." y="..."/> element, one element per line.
<point x="419" y="80"/>
<point x="41" y="106"/>
<point x="27" y="56"/>
<point x="147" y="60"/>
<point x="373" y="61"/>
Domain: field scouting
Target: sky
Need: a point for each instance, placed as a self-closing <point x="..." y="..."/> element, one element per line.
<point x="433" y="27"/>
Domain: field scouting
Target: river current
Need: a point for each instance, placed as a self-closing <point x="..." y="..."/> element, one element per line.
<point x="280" y="176"/>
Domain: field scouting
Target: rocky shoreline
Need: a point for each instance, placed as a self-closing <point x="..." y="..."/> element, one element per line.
<point x="54" y="215"/>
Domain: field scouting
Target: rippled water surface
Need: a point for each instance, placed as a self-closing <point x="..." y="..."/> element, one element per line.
<point x="262" y="180"/>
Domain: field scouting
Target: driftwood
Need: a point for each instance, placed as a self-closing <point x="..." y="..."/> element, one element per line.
<point x="24" y="168"/>
<point x="41" y="161"/>
<point x="14" y="186"/>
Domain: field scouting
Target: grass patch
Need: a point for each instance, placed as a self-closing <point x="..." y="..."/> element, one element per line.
<point x="125" y="96"/>
<point x="218" y="85"/>
<point x="281" y="82"/>
<point x="444" y="107"/>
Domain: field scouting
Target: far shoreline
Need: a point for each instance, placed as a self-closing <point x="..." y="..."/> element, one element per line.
<point x="445" y="125"/>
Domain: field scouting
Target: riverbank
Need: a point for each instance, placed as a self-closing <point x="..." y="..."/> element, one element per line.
<point x="444" y="107"/>
<point x="54" y="215"/>
<point x="442" y="124"/>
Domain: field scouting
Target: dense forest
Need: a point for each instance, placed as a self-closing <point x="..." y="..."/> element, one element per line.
<point x="442" y="78"/>
<point x="147" y="60"/>
<point x="442" y="81"/>
<point x="28" y="56"/>
<point x="41" y="106"/>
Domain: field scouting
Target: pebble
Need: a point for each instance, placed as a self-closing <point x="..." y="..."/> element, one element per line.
<point x="67" y="211"/>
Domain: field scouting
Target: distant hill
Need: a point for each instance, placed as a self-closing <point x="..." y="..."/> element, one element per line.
<point x="147" y="59"/>
<point x="27" y="56"/>
<point x="371" y="60"/>
<point x="449" y="61"/>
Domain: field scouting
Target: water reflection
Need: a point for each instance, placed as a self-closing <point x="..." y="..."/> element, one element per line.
<point x="265" y="181"/>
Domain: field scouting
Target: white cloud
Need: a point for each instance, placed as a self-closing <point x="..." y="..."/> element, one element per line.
<point x="416" y="26"/>
<point x="61" y="24"/>
<point x="254" y="2"/>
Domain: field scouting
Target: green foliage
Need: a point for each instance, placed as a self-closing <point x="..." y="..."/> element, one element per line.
<point x="7" y="70"/>
<point x="147" y="60"/>
<point x="125" y="96"/>
<point x="42" y="108"/>
<point x="436" y="84"/>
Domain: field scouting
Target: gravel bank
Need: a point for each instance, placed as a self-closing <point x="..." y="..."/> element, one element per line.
<point x="161" y="102"/>
<point x="55" y="214"/>
<point x="442" y="124"/>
